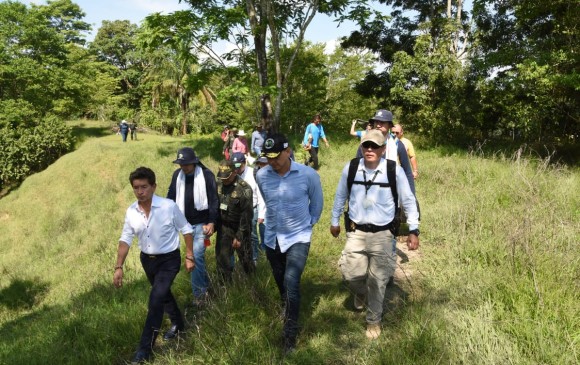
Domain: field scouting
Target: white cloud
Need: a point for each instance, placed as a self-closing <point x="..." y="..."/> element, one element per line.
<point x="158" y="6"/>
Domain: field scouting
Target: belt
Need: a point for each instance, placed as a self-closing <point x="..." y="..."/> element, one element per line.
<point x="372" y="228"/>
<point x="159" y="255"/>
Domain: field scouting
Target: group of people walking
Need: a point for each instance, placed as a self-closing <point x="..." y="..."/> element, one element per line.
<point x="276" y="203"/>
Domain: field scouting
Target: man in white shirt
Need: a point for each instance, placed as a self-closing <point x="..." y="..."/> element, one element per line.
<point x="156" y="223"/>
<point x="368" y="260"/>
<point x="247" y="174"/>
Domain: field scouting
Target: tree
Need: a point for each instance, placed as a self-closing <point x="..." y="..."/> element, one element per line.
<point x="277" y="19"/>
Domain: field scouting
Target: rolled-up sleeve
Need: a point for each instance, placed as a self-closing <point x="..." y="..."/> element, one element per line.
<point x="128" y="233"/>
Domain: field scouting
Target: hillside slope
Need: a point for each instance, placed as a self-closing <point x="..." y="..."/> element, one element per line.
<point x="497" y="281"/>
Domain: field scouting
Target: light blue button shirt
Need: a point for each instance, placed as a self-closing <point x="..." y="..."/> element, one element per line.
<point x="293" y="204"/>
<point x="380" y="207"/>
<point x="159" y="233"/>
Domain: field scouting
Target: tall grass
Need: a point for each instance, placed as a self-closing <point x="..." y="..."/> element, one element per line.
<point x="497" y="282"/>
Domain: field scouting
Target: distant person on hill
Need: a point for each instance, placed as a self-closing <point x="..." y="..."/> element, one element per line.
<point x="258" y="137"/>
<point x="193" y="188"/>
<point x="240" y="143"/>
<point x="225" y="133"/>
<point x="368" y="261"/>
<point x="316" y="131"/>
<point x="229" y="143"/>
<point x="133" y="129"/>
<point x="360" y="134"/>
<point x="124" y="129"/>
<point x="293" y="196"/>
<point x="156" y="223"/>
<point x="398" y="131"/>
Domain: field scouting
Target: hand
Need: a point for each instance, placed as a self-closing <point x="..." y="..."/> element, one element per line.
<point x="412" y="242"/>
<point x="118" y="278"/>
<point x="326" y="143"/>
<point x="236" y="243"/>
<point x="415" y="174"/>
<point x="189" y="265"/>
<point x="335" y="231"/>
<point x="208" y="229"/>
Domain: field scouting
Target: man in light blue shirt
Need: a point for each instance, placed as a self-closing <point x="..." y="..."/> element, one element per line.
<point x="258" y="137"/>
<point x="315" y="131"/>
<point x="368" y="259"/>
<point x="293" y="196"/>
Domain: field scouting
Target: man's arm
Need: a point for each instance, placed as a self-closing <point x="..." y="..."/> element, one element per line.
<point x="409" y="205"/>
<point x="122" y="251"/>
<point x="404" y="160"/>
<point x="352" y="131"/>
<point x="171" y="191"/>
<point x="339" y="200"/>
<point x="189" y="258"/>
<point x="212" y="201"/>
<point x="315" y="195"/>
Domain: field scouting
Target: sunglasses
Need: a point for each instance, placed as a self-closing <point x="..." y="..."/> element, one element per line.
<point x="369" y="144"/>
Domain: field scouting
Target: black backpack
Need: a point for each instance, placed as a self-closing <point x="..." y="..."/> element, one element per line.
<point x="391" y="176"/>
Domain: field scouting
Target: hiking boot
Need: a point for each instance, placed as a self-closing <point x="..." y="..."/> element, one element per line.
<point x="141" y="357"/>
<point x="172" y="333"/>
<point x="359" y="302"/>
<point x="373" y="331"/>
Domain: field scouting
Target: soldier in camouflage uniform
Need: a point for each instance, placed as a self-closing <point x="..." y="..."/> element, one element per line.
<point x="234" y="227"/>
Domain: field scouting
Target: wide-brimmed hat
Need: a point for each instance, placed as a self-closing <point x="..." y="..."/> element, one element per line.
<point x="274" y="144"/>
<point x="382" y="115"/>
<point x="225" y="169"/>
<point x="186" y="156"/>
<point x="374" y="136"/>
<point x="241" y="133"/>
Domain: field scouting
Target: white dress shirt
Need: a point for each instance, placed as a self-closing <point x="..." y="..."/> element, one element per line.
<point x="159" y="233"/>
<point x="248" y="176"/>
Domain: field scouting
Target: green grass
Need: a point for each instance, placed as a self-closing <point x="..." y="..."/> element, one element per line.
<point x="497" y="282"/>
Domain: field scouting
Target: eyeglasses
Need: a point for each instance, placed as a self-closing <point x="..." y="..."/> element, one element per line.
<point x="369" y="144"/>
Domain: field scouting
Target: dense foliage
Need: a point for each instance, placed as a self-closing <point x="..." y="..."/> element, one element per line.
<point x="502" y="71"/>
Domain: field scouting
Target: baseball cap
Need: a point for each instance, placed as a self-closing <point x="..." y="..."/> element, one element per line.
<point x="382" y="115"/>
<point x="225" y="169"/>
<point x="186" y="156"/>
<point x="374" y="136"/>
<point x="238" y="158"/>
<point x="274" y="144"/>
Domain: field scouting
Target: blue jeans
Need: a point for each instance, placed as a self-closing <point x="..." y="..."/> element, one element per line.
<point x="255" y="240"/>
<point x="199" y="277"/>
<point x="287" y="269"/>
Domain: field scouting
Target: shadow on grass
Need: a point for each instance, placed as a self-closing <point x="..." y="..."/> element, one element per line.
<point x="23" y="294"/>
<point x="82" y="132"/>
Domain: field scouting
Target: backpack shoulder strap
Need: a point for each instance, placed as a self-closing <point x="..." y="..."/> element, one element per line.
<point x="392" y="176"/>
<point x="351" y="173"/>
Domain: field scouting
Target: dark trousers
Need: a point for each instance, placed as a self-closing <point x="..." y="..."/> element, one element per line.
<point x="133" y="134"/>
<point x="224" y="253"/>
<point x="287" y="269"/>
<point x="161" y="271"/>
<point x="124" y="136"/>
<point x="313" y="157"/>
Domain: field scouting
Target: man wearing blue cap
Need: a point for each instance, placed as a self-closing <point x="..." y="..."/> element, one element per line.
<point x="193" y="188"/>
<point x="293" y="196"/>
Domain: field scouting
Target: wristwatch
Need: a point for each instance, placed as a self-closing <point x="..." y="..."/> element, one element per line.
<point x="415" y="232"/>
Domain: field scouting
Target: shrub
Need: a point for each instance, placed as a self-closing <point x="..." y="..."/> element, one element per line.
<point x="24" y="151"/>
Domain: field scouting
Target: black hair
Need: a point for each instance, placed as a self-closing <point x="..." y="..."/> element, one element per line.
<point x="142" y="173"/>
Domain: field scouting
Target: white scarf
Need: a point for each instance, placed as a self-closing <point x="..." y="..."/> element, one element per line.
<point x="199" y="192"/>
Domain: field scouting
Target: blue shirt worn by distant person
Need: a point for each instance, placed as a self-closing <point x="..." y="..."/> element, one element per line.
<point x="317" y="132"/>
<point x="293" y="204"/>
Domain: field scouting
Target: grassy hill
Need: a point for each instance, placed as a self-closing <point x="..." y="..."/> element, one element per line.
<point x="496" y="281"/>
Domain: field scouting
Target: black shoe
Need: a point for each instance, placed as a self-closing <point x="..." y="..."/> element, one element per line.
<point x="391" y="281"/>
<point x="140" y="357"/>
<point x="289" y="345"/>
<point x="172" y="333"/>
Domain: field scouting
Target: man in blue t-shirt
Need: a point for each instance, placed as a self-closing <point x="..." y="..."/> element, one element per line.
<point x="314" y="132"/>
